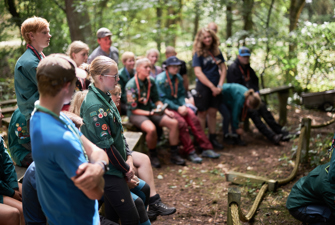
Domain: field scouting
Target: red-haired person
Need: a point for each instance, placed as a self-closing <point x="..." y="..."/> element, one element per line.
<point x="36" y="33"/>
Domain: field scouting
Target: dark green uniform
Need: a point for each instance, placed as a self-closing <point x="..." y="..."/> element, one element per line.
<point x="132" y="95"/>
<point x="18" y="135"/>
<point x="124" y="78"/>
<point x="102" y="125"/>
<point x="233" y="97"/>
<point x="164" y="90"/>
<point x="314" y="189"/>
<point x="8" y="177"/>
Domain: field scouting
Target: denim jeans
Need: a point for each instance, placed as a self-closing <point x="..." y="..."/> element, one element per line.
<point x="313" y="214"/>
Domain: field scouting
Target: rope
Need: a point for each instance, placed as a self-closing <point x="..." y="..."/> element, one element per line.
<point x="297" y="159"/>
<point x="324" y="124"/>
<point x="234" y="209"/>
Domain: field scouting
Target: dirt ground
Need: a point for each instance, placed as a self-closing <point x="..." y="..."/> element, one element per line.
<point x="199" y="192"/>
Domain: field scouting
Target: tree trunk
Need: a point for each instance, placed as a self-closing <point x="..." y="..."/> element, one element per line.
<point x="229" y="18"/>
<point x="159" y="12"/>
<point x="11" y="7"/>
<point x="196" y="19"/>
<point x="247" y="14"/>
<point x="78" y="21"/>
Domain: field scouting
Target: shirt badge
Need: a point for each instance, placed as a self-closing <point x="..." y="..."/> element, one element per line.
<point x="105" y="114"/>
<point x="104" y="126"/>
<point x="97" y="124"/>
<point x="95" y="119"/>
<point x="103" y="133"/>
<point x="101" y="110"/>
<point x="100" y="115"/>
<point x="94" y="113"/>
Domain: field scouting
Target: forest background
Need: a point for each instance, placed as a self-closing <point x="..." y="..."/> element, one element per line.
<point x="292" y="42"/>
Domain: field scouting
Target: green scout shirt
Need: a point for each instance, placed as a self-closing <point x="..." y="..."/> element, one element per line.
<point x="18" y="135"/>
<point x="25" y="82"/>
<point x="233" y="97"/>
<point x="331" y="175"/>
<point x="164" y="90"/>
<point x="101" y="124"/>
<point x="123" y="81"/>
<point x="8" y="177"/>
<point x="313" y="189"/>
<point x="132" y="95"/>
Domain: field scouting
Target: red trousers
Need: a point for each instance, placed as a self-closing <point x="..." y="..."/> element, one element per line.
<point x="191" y="120"/>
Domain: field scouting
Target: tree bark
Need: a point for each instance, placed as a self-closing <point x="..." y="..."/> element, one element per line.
<point x="196" y="18"/>
<point x="159" y="12"/>
<point x="78" y="21"/>
<point x="247" y="14"/>
<point x="11" y="7"/>
<point x="229" y="18"/>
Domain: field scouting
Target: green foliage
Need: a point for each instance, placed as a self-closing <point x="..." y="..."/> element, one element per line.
<point x="319" y="150"/>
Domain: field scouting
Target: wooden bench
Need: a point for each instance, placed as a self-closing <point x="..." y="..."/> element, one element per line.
<point x="7" y="109"/>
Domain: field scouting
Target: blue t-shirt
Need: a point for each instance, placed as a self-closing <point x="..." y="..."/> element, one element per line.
<point x="57" y="153"/>
<point x="209" y="66"/>
<point x="32" y="211"/>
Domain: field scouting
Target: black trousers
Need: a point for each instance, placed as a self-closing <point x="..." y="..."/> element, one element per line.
<point x="256" y="117"/>
<point x="118" y="201"/>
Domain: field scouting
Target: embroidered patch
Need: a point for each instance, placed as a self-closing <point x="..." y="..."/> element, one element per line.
<point x="130" y="97"/>
<point x="103" y="133"/>
<point x="101" y="110"/>
<point x="100" y="115"/>
<point x="19" y="129"/>
<point x="94" y="113"/>
<point x="17" y="125"/>
<point x="97" y="124"/>
<point x="104" y="126"/>
<point x="95" y="119"/>
<point x="105" y="114"/>
<point x="134" y="104"/>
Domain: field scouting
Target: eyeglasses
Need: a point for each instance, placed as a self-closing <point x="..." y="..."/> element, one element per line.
<point x="117" y="94"/>
<point x="116" y="76"/>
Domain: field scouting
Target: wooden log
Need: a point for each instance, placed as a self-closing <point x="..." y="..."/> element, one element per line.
<point x="7" y="102"/>
<point x="9" y="109"/>
<point x="242" y="178"/>
<point x="282" y="97"/>
<point x="234" y="196"/>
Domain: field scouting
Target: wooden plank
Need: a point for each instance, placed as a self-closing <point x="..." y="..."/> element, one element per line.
<point x="267" y="91"/>
<point x="6" y="120"/>
<point x="10" y="101"/>
<point x="133" y="139"/>
<point x="9" y="109"/>
<point x="242" y="178"/>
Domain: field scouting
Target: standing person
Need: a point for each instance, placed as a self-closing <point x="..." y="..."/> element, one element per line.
<point x="171" y="91"/>
<point x="153" y="56"/>
<point x="10" y="189"/>
<point x="126" y="73"/>
<point x="36" y="33"/>
<point x="141" y="92"/>
<point x="105" y="46"/>
<point x="240" y="72"/>
<point x="210" y="70"/>
<point x="71" y="160"/>
<point x="103" y="126"/>
<point x="19" y="139"/>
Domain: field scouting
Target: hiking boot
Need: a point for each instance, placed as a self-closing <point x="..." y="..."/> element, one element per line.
<point x="276" y="139"/>
<point x="228" y="139"/>
<point x="159" y="209"/>
<point x="210" y="154"/>
<point x="155" y="161"/>
<point x="193" y="157"/>
<point x="238" y="141"/>
<point x="215" y="143"/>
<point x="176" y="159"/>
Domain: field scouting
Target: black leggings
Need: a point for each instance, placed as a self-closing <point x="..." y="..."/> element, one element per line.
<point x="118" y="201"/>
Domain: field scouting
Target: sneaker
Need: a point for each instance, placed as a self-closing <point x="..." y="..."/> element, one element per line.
<point x="276" y="139"/>
<point x="193" y="157"/>
<point x="155" y="162"/>
<point x="210" y="154"/>
<point x="159" y="209"/>
<point x="176" y="159"/>
<point x="228" y="139"/>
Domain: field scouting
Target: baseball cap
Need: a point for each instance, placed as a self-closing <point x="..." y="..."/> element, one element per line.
<point x="59" y="66"/>
<point x="244" y="51"/>
<point x="103" y="32"/>
<point x="173" y="61"/>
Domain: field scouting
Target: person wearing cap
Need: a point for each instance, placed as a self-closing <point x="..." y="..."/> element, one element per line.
<point x="63" y="156"/>
<point x="210" y="70"/>
<point x="171" y="91"/>
<point x="141" y="92"/>
<point x="126" y="73"/>
<point x="36" y="33"/>
<point x="241" y="72"/>
<point x="105" y="48"/>
<point x="19" y="140"/>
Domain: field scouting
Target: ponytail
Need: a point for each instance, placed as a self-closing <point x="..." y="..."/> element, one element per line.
<point x="254" y="100"/>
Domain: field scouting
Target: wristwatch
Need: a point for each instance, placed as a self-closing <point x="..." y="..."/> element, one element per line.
<point x="104" y="165"/>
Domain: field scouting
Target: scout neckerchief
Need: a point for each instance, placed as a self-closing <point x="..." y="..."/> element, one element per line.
<point x="36" y="53"/>
<point x="111" y="105"/>
<point x="174" y="92"/>
<point x="246" y="78"/>
<point x="68" y="125"/>
<point x="244" y="112"/>
<point x="141" y="100"/>
<point x="216" y="61"/>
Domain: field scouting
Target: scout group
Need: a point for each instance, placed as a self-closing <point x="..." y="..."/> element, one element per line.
<point x="68" y="131"/>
